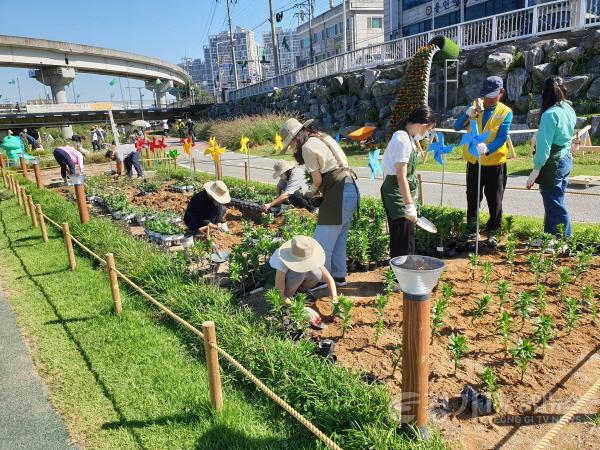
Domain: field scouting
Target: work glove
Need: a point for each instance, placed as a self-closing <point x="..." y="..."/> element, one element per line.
<point x="482" y="149"/>
<point x="532" y="177"/>
<point x="410" y="213"/>
<point x="471" y="112"/>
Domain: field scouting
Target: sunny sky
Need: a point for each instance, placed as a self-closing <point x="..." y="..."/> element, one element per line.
<point x="166" y="30"/>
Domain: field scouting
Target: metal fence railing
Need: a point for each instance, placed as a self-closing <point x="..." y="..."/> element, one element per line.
<point x="552" y="17"/>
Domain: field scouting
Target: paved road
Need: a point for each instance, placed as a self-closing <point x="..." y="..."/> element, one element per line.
<point x="27" y="421"/>
<point x="583" y="203"/>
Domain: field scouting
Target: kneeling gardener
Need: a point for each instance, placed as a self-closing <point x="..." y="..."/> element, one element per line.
<point x="206" y="210"/>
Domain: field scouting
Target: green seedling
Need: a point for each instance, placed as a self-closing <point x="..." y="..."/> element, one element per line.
<point x="535" y="261"/>
<point x="584" y="259"/>
<point x="543" y="333"/>
<point x="504" y="327"/>
<point x="486" y="275"/>
<point x="267" y="219"/>
<point x="523" y="353"/>
<point x="590" y="298"/>
<point x="523" y="305"/>
<point x="473" y="263"/>
<point x="482" y="306"/>
<point x="447" y="292"/>
<point x="458" y="347"/>
<point x="564" y="280"/>
<point x="490" y="380"/>
<point x="572" y="313"/>
<point x="389" y="282"/>
<point x="345" y="305"/>
<point x="438" y="314"/>
<point x="396" y="358"/>
<point x="297" y="314"/>
<point x="540" y="296"/>
<point x="503" y="291"/>
<point x="380" y="302"/>
<point x="276" y="302"/>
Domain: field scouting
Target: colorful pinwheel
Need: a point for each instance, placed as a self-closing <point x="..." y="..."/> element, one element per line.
<point x="278" y="142"/>
<point x="140" y="143"/>
<point x="472" y="138"/>
<point x="374" y="163"/>
<point x="439" y="149"/>
<point x="187" y="146"/>
<point x="214" y="149"/>
<point x="244" y="144"/>
<point x="173" y="153"/>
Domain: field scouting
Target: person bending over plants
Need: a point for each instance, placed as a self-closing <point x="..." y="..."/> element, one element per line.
<point x="69" y="159"/>
<point x="299" y="264"/>
<point x="127" y="155"/>
<point x="206" y="210"/>
<point x="291" y="187"/>
<point x="332" y="177"/>
<point x="400" y="184"/>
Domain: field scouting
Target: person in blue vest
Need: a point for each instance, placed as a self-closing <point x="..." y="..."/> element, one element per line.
<point x="552" y="161"/>
<point x="493" y="116"/>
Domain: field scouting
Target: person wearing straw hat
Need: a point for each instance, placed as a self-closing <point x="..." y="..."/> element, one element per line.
<point x="326" y="162"/>
<point x="206" y="210"/>
<point x="300" y="265"/>
<point x="291" y="186"/>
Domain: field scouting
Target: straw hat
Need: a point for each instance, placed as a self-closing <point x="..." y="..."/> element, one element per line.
<point x="290" y="129"/>
<point x="302" y="254"/>
<point x="218" y="191"/>
<point x="282" y="166"/>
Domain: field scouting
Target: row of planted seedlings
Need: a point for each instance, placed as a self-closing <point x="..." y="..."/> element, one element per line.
<point x="523" y="323"/>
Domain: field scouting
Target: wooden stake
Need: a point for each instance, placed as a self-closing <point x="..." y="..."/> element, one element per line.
<point x="511" y="147"/>
<point x="25" y="202"/>
<point x="114" y="282"/>
<point x="42" y="222"/>
<point x="69" y="245"/>
<point x="194" y="165"/>
<point x="38" y="175"/>
<point x="148" y="158"/>
<point x="246" y="171"/>
<point x="415" y="361"/>
<point x="19" y="194"/>
<point x="2" y="163"/>
<point x="212" y="363"/>
<point x="421" y="197"/>
<point x="23" y="165"/>
<point x="84" y="213"/>
<point x="4" y="179"/>
<point x="34" y="218"/>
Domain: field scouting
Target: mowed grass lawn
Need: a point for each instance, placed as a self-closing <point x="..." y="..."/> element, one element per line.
<point x="521" y="165"/>
<point x="122" y="381"/>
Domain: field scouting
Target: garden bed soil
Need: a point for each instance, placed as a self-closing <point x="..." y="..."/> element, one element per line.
<point x="568" y="369"/>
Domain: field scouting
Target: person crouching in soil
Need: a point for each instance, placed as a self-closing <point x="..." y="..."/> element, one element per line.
<point x="206" y="210"/>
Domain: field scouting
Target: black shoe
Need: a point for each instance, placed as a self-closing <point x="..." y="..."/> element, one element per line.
<point x="340" y="281"/>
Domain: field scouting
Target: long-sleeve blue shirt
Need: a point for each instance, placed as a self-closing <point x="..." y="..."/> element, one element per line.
<point x="502" y="134"/>
<point x="557" y="126"/>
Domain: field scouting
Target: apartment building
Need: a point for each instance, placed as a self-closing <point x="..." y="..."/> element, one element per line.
<point x="288" y="46"/>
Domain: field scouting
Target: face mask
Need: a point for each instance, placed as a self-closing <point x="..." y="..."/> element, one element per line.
<point x="420" y="137"/>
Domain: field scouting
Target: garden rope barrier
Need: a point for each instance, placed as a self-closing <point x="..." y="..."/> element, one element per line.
<point x="329" y="443"/>
<point x="550" y="435"/>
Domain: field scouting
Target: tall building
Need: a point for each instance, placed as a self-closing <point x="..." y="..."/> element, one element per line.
<point x="288" y="46"/>
<point x="198" y="70"/>
<point x="408" y="17"/>
<point x="364" y="21"/>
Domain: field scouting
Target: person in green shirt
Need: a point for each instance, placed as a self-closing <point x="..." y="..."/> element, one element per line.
<point x="552" y="161"/>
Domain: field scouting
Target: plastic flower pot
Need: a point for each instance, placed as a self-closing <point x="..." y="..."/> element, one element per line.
<point x="187" y="241"/>
<point x="91" y="198"/>
<point x="117" y="215"/>
<point x="77" y="179"/>
<point x="176" y="239"/>
<point x="177" y="219"/>
<point x="448" y="48"/>
<point x="128" y="217"/>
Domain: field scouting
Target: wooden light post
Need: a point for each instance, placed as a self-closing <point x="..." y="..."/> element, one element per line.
<point x="38" y="174"/>
<point x="79" y="186"/>
<point x="23" y="165"/>
<point x="417" y="276"/>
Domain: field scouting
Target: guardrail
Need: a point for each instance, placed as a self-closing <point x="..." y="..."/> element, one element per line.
<point x="562" y="15"/>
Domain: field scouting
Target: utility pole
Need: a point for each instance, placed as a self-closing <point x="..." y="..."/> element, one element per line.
<point x="233" y="60"/>
<point x="310" y="14"/>
<point x="274" y="39"/>
<point x="345" y="26"/>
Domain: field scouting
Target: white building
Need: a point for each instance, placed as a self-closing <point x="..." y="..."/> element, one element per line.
<point x="408" y="17"/>
<point x="288" y="46"/>
<point x="364" y="27"/>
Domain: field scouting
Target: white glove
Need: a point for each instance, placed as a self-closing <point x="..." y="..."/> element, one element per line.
<point x="223" y="226"/>
<point x="410" y="213"/>
<point x="482" y="149"/>
<point x="471" y="112"/>
<point x="532" y="177"/>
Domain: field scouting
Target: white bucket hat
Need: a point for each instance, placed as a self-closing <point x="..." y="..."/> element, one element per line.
<point x="290" y="129"/>
<point x="302" y="254"/>
<point x="218" y="191"/>
<point x="282" y="166"/>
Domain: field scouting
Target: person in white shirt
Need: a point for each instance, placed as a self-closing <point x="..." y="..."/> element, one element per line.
<point x="95" y="139"/>
<point x="69" y="159"/>
<point x="128" y="155"/>
<point x="291" y="186"/>
<point x="400" y="186"/>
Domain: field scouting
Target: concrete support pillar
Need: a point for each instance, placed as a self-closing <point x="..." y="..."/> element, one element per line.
<point x="160" y="89"/>
<point x="58" y="78"/>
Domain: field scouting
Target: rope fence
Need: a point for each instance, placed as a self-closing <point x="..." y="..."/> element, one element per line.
<point x="208" y="336"/>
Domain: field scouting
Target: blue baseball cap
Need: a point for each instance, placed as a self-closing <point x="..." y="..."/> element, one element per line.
<point x="491" y="87"/>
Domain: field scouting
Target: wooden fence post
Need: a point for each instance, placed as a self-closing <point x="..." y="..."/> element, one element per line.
<point x="23" y="165"/>
<point x="114" y="282"/>
<point x="212" y="363"/>
<point x="194" y="165"/>
<point x="84" y="213"/>
<point x="25" y="202"/>
<point x="246" y="171"/>
<point x="34" y="217"/>
<point x="38" y="174"/>
<point x="19" y="193"/>
<point x="1" y="160"/>
<point x="69" y="245"/>
<point x="42" y="222"/>
<point x="4" y="179"/>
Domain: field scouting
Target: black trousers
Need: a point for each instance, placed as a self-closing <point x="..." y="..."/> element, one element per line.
<point x="493" y="183"/>
<point x="64" y="160"/>
<point x="402" y="237"/>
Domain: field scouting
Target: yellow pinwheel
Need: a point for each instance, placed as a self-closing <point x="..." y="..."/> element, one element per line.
<point x="244" y="144"/>
<point x="214" y="149"/>
<point x="187" y="146"/>
<point x="278" y="142"/>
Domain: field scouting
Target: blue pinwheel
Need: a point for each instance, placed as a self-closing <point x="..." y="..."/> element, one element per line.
<point x="439" y="149"/>
<point x="473" y="138"/>
<point x="374" y="163"/>
<point x="337" y="137"/>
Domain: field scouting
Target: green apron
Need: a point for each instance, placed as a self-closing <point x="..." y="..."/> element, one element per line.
<point x="332" y="188"/>
<point x="548" y="171"/>
<point x="390" y="192"/>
